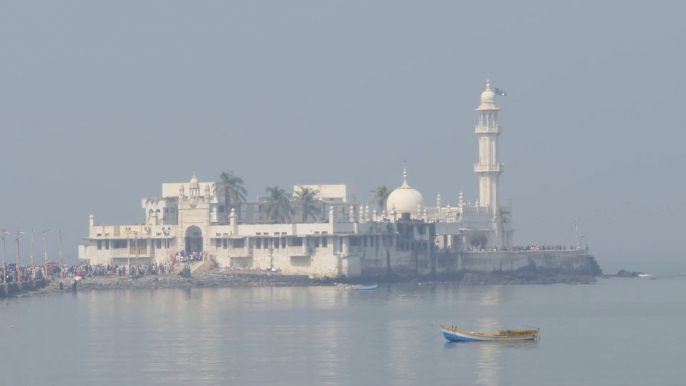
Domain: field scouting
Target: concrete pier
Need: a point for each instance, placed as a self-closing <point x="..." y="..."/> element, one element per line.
<point x="8" y="289"/>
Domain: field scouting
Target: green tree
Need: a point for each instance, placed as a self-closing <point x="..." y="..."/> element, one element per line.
<point x="276" y="205"/>
<point x="306" y="203"/>
<point x="380" y="197"/>
<point x="478" y="239"/>
<point x="231" y="187"/>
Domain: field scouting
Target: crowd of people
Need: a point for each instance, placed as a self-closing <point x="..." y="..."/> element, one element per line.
<point x="526" y="248"/>
<point x="185" y="257"/>
<point x="24" y="273"/>
<point x="28" y="273"/>
<point x="133" y="269"/>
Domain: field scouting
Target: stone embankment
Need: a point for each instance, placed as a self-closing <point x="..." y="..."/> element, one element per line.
<point x="218" y="278"/>
<point x="518" y="278"/>
<point x="211" y="279"/>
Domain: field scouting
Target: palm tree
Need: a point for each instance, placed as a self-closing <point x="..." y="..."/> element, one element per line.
<point x="231" y="187"/>
<point x="276" y="206"/>
<point x="380" y="197"/>
<point x="306" y="203"/>
<point x="503" y="218"/>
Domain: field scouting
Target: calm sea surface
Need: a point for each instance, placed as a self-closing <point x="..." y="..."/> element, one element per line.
<point x="616" y="332"/>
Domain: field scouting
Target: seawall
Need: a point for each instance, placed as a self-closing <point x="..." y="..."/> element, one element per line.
<point x="10" y="289"/>
<point x="450" y="264"/>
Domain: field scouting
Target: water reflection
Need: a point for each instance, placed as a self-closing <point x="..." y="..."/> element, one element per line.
<point x="402" y="351"/>
<point x="491" y="295"/>
<point x="284" y="335"/>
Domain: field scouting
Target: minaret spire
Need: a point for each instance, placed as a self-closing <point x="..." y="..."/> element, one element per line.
<point x="488" y="168"/>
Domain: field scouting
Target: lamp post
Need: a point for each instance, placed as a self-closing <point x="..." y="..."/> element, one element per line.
<point x="33" y="266"/>
<point x="61" y="261"/>
<point x="18" y="258"/>
<point x="4" y="256"/>
<point x="135" y="234"/>
<point x="45" y="241"/>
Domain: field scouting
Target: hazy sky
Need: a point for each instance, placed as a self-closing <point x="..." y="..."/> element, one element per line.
<point x="102" y="102"/>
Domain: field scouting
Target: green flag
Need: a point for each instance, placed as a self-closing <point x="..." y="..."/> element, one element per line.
<point x="500" y="92"/>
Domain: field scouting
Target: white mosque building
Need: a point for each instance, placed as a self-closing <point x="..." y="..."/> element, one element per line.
<point x="348" y="238"/>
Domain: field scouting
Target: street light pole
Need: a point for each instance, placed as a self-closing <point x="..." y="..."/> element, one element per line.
<point x="128" y="233"/>
<point x="4" y="256"/>
<point x="61" y="261"/>
<point x="45" y="241"/>
<point x="137" y="265"/>
<point x="33" y="266"/>
<point x="18" y="258"/>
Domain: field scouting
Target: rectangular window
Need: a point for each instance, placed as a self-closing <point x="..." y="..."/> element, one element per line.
<point x="119" y="244"/>
<point x="239" y="243"/>
<point x="258" y="243"/>
<point x="99" y="244"/>
<point x="325" y="241"/>
<point x="159" y="244"/>
<point x="276" y="243"/>
<point x="316" y="242"/>
<point x="217" y="243"/>
<point x="297" y="242"/>
<point x="364" y="241"/>
<point x="107" y="244"/>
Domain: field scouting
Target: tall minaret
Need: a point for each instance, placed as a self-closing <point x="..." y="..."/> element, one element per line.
<point x="488" y="169"/>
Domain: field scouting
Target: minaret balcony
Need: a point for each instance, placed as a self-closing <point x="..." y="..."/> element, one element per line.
<point x="480" y="129"/>
<point x="497" y="168"/>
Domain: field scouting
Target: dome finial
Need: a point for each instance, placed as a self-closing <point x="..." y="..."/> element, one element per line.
<point x="488" y="84"/>
<point x="404" y="185"/>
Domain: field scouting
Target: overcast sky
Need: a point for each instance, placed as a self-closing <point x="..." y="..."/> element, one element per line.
<point x="102" y="102"/>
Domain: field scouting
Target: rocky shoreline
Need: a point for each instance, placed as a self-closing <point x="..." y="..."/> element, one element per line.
<point x="223" y="279"/>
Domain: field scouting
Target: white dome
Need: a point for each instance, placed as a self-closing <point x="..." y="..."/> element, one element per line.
<point x="194" y="182"/>
<point x="488" y="96"/>
<point x="405" y="199"/>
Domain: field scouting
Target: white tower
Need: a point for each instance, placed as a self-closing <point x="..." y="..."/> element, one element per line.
<point x="488" y="169"/>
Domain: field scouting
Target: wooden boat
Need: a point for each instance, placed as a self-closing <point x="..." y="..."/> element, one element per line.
<point x="361" y="287"/>
<point x="455" y="335"/>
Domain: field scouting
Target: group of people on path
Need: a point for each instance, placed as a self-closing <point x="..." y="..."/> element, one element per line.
<point x="23" y="274"/>
<point x="185" y="257"/>
<point x="32" y="273"/>
<point x="528" y="248"/>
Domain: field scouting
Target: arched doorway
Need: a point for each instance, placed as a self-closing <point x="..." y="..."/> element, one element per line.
<point x="193" y="239"/>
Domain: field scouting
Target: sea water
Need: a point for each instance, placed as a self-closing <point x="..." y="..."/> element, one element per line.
<point x="614" y="332"/>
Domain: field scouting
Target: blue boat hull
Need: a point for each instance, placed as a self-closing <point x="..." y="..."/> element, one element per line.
<point x="455" y="338"/>
<point x="455" y="335"/>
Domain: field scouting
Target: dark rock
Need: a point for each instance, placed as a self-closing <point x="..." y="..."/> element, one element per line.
<point x="625" y="273"/>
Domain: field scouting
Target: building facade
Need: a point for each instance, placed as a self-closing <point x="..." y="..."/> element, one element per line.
<point x="345" y="238"/>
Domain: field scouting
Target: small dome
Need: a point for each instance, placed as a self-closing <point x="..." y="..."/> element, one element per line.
<point x="405" y="199"/>
<point x="488" y="96"/>
<point x="194" y="182"/>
